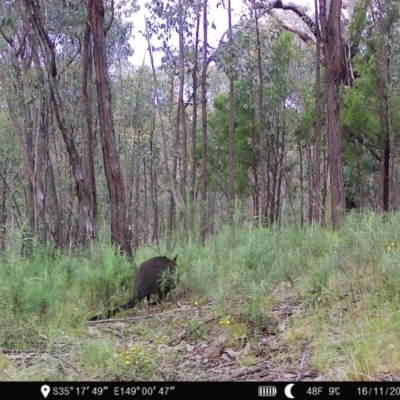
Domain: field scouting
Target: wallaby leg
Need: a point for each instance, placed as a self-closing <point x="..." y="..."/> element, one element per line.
<point x="130" y="303"/>
<point x="161" y="296"/>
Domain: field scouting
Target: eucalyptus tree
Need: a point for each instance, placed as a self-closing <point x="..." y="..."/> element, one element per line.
<point x="34" y="15"/>
<point x="337" y="48"/>
<point x="194" y="72"/>
<point x="246" y="162"/>
<point x="12" y="186"/>
<point x="385" y="17"/>
<point x="264" y="148"/>
<point x="203" y="191"/>
<point x="189" y="62"/>
<point x="168" y="18"/>
<point x="120" y="234"/>
<point x="25" y="88"/>
<point x="270" y="123"/>
<point x="361" y="25"/>
<point x="158" y="109"/>
<point x="371" y="115"/>
<point x="141" y="156"/>
<point x="317" y="206"/>
<point x="231" y="154"/>
<point x="87" y="120"/>
<point x="43" y="43"/>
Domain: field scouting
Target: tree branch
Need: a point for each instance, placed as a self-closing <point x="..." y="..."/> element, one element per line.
<point x="6" y="38"/>
<point x="300" y="11"/>
<point x="108" y="26"/>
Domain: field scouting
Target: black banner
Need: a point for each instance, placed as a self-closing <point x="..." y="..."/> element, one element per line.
<point x="207" y="390"/>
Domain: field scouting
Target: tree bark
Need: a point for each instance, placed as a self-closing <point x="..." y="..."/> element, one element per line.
<point x="387" y="141"/>
<point x="153" y="190"/>
<point x="194" y="120"/>
<point x="203" y="195"/>
<point x="3" y="212"/>
<point x="87" y="144"/>
<point x="120" y="234"/>
<point x="181" y="105"/>
<point x="49" y="202"/>
<point x="317" y="210"/>
<point x="263" y="138"/>
<point x="334" y="58"/>
<point x="231" y="155"/>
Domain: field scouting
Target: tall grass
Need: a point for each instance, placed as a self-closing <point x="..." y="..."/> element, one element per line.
<point x="237" y="263"/>
<point x="338" y="277"/>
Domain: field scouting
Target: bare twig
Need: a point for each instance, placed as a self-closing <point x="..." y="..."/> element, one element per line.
<point x="69" y="365"/>
<point x="303" y="358"/>
<point x="195" y="371"/>
<point x="148" y="316"/>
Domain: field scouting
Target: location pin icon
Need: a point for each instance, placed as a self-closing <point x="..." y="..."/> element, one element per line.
<point x="45" y="390"/>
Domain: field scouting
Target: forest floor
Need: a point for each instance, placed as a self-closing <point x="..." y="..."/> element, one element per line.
<point x="192" y="341"/>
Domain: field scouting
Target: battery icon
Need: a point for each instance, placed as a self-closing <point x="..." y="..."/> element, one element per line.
<point x="267" y="391"/>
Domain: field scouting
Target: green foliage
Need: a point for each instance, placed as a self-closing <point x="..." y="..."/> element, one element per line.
<point x="106" y="277"/>
<point x="99" y="353"/>
<point x="195" y="330"/>
<point x="34" y="285"/>
<point x="246" y="141"/>
<point x="335" y="278"/>
<point x="365" y="114"/>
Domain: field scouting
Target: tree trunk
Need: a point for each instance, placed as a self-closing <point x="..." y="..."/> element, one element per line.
<point x="231" y="155"/>
<point x="49" y="201"/>
<point x="25" y="154"/>
<point x="317" y="210"/>
<point x="163" y="136"/>
<point x="171" y="212"/>
<point x="194" y="120"/>
<point x="153" y="190"/>
<point x="263" y="138"/>
<point x="136" y="188"/>
<point x="203" y="195"/>
<point x="310" y="182"/>
<point x="120" y="234"/>
<point x="181" y="105"/>
<point x="3" y="213"/>
<point x="387" y="140"/>
<point x="334" y="58"/>
<point x="301" y="184"/>
<point x="87" y="143"/>
<point x="278" y="213"/>
<point x="359" y="176"/>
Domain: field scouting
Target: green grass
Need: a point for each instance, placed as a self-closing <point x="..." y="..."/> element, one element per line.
<point x="335" y="294"/>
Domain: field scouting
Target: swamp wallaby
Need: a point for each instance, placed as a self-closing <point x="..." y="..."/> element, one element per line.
<point x="154" y="276"/>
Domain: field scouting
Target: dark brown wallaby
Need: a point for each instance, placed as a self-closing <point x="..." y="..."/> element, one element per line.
<point x="154" y="276"/>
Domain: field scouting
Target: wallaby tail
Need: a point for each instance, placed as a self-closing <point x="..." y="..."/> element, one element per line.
<point x="107" y="315"/>
<point x="111" y="313"/>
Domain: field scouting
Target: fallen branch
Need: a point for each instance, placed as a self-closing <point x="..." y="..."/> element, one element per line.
<point x="147" y="316"/>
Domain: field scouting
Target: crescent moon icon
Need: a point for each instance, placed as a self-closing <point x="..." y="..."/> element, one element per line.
<point x="288" y="392"/>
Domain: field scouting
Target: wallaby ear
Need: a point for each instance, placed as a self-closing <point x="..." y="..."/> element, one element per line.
<point x="175" y="258"/>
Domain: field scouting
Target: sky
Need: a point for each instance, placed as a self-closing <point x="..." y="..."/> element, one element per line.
<point x="217" y="15"/>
